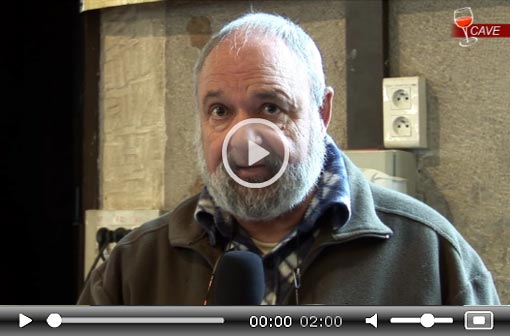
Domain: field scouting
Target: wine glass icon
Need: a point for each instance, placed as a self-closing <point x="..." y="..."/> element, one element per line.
<point x="463" y="18"/>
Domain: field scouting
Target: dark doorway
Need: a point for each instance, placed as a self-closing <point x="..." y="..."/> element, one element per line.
<point x="43" y="157"/>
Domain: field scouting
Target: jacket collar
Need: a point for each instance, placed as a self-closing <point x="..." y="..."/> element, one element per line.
<point x="364" y="220"/>
<point x="183" y="230"/>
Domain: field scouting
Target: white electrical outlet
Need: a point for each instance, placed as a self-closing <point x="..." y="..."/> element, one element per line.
<point x="405" y="112"/>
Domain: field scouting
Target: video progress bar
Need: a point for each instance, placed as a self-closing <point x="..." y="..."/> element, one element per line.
<point x="145" y="320"/>
<point x="55" y="320"/>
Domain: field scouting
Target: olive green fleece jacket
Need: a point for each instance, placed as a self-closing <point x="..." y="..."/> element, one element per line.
<point x="394" y="250"/>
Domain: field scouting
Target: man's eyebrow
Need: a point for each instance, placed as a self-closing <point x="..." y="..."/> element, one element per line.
<point x="213" y="94"/>
<point x="271" y="95"/>
<point x="261" y="95"/>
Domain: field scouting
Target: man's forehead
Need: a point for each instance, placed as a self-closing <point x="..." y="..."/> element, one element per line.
<point x="247" y="59"/>
<point x="250" y="46"/>
<point x="263" y="74"/>
<point x="240" y="38"/>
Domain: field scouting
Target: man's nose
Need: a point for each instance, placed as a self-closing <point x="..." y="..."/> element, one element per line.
<point x="239" y="143"/>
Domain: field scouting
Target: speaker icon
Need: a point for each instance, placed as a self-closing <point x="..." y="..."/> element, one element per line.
<point x="372" y="320"/>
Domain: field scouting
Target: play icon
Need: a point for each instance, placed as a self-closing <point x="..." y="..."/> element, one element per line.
<point x="255" y="153"/>
<point x="24" y="320"/>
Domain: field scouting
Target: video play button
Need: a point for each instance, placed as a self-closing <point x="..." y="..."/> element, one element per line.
<point x="255" y="153"/>
<point x="24" y="320"/>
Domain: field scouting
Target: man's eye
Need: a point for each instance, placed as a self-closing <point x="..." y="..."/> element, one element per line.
<point x="271" y="109"/>
<point x="218" y="111"/>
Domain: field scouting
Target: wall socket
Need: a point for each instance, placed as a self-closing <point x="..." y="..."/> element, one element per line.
<point x="404" y="112"/>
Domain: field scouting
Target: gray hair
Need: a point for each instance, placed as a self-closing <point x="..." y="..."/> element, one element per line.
<point x="274" y="26"/>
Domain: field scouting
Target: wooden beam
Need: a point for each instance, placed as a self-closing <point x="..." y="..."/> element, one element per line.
<point x="366" y="66"/>
<point x="89" y="193"/>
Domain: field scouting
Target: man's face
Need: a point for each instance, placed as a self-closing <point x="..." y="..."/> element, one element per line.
<point x="258" y="78"/>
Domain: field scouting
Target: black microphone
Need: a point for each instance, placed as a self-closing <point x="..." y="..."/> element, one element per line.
<point x="239" y="279"/>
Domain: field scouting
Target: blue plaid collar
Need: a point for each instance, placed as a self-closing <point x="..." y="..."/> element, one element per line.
<point x="332" y="191"/>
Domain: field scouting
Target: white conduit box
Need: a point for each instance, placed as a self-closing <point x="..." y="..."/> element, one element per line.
<point x="394" y="169"/>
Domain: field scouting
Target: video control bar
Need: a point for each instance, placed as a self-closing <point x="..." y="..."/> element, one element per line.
<point x="258" y="320"/>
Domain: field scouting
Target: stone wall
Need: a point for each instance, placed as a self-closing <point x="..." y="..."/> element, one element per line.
<point x="464" y="173"/>
<point x="132" y="107"/>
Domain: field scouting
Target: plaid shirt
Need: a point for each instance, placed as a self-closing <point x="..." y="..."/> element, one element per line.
<point x="281" y="263"/>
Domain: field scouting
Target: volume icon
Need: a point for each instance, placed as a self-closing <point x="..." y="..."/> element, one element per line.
<point x="372" y="320"/>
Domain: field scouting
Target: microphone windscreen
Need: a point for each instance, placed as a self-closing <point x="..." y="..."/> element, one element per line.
<point x="239" y="279"/>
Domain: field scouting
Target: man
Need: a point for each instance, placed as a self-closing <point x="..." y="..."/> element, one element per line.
<point x="320" y="225"/>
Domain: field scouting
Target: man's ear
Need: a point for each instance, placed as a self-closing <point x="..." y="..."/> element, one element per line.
<point x="327" y="107"/>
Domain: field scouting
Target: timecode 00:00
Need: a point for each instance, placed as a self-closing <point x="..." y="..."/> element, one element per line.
<point x="286" y="321"/>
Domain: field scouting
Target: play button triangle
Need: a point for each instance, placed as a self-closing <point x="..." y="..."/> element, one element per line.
<point x="24" y="320"/>
<point x="255" y="153"/>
